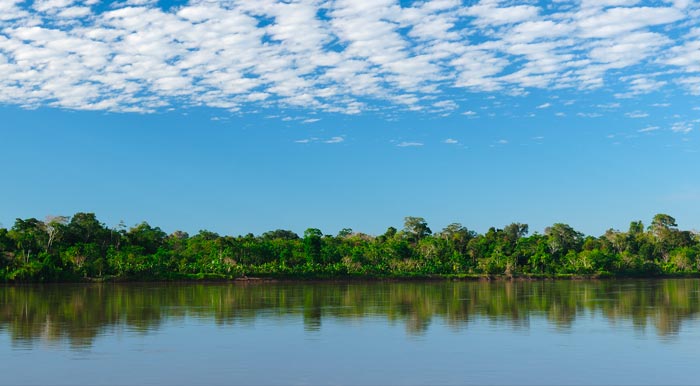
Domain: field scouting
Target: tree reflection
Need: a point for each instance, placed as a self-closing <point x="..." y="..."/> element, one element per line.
<point x="80" y="313"/>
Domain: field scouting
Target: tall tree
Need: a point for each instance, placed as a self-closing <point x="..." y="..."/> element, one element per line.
<point x="636" y="227"/>
<point x="515" y="231"/>
<point x="458" y="235"/>
<point x="280" y="234"/>
<point x="563" y="238"/>
<point x="313" y="244"/>
<point x="416" y="228"/>
<point x="28" y="235"/>
<point x="147" y="237"/>
<point x="55" y="227"/>
<point x="85" y="228"/>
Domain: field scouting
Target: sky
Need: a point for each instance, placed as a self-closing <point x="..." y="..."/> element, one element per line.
<point x="249" y="116"/>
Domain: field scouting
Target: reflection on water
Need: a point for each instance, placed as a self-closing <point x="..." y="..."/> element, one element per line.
<point x="80" y="313"/>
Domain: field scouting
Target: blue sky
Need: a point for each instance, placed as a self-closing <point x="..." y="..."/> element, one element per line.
<point x="242" y="116"/>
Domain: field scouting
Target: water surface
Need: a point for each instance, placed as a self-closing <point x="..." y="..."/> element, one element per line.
<point x="544" y="332"/>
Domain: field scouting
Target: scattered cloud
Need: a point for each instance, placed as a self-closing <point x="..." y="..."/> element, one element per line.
<point x="335" y="140"/>
<point x="589" y="115"/>
<point x="648" y="129"/>
<point x="614" y="105"/>
<point x="339" y="56"/>
<point x="502" y="141"/>
<point x="445" y="105"/>
<point x="682" y="127"/>
<point x="641" y="85"/>
<point x="409" y="144"/>
<point x="451" y="141"/>
<point x="544" y="105"/>
<point x="691" y="83"/>
<point x="637" y="114"/>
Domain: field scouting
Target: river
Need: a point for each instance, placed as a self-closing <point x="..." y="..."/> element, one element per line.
<point x="405" y="333"/>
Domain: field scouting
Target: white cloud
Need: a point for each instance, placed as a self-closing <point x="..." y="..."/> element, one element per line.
<point x="451" y="141"/>
<point x="692" y="83"/>
<point x="489" y="13"/>
<point x="588" y="115"/>
<point x="637" y="114"/>
<point x="682" y="127"/>
<point x="621" y="20"/>
<point x="648" y="129"/>
<point x="687" y="55"/>
<point x="641" y="85"/>
<point x="544" y="105"/>
<point x="445" y="105"/>
<point x="335" y="140"/>
<point x="359" y="56"/>
<point x="409" y="144"/>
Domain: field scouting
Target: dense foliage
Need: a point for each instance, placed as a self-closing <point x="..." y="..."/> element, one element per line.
<point x="63" y="249"/>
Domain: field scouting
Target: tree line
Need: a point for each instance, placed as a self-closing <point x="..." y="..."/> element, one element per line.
<point x="62" y="248"/>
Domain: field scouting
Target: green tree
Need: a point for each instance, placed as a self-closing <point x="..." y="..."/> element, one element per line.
<point x="458" y="236"/>
<point x="389" y="234"/>
<point x="562" y="238"/>
<point x="55" y="227"/>
<point x="147" y="237"/>
<point x="515" y="231"/>
<point x="416" y="228"/>
<point x="662" y="222"/>
<point x="5" y="247"/>
<point x="85" y="228"/>
<point x="345" y="232"/>
<point x="667" y="236"/>
<point x="29" y="236"/>
<point x="280" y="234"/>
<point x="312" y="245"/>
<point x="636" y="227"/>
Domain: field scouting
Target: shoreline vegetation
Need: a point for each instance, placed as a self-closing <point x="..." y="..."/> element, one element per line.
<point x="82" y="249"/>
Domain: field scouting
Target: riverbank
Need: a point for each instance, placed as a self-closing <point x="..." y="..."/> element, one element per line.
<point x="214" y="278"/>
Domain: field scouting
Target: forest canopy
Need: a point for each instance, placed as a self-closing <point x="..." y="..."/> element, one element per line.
<point x="80" y="247"/>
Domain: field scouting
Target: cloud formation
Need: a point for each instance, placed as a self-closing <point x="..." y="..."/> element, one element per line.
<point x="409" y="144"/>
<point x="342" y="56"/>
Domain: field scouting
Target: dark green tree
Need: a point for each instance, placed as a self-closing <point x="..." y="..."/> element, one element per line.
<point x="312" y="245"/>
<point x="29" y="237"/>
